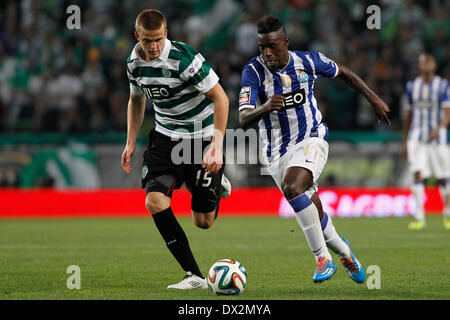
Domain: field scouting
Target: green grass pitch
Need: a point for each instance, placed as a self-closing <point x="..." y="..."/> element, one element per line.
<point x="127" y="259"/>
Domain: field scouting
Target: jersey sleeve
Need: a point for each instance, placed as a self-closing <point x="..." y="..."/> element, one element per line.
<point x="134" y="87"/>
<point x="408" y="101"/>
<point x="321" y="66"/>
<point x="445" y="95"/>
<point x="196" y="69"/>
<point x="249" y="88"/>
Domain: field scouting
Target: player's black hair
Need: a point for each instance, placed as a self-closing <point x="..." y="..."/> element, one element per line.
<point x="426" y="54"/>
<point x="269" y="24"/>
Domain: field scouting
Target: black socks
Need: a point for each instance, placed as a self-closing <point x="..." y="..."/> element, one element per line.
<point x="176" y="240"/>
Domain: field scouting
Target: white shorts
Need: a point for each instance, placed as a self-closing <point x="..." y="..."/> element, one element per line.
<point x="429" y="159"/>
<point x="311" y="153"/>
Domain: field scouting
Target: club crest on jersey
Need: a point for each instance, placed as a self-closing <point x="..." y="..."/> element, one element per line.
<point x="244" y="95"/>
<point x="285" y="80"/>
<point x="166" y="73"/>
<point x="144" y="172"/>
<point x="302" y="76"/>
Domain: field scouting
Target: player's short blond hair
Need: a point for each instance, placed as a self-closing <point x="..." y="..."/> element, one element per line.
<point x="150" y="19"/>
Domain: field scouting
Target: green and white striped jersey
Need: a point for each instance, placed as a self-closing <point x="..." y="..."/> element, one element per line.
<point x="176" y="82"/>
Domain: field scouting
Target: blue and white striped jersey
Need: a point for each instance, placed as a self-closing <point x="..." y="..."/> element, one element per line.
<point x="427" y="101"/>
<point x="300" y="117"/>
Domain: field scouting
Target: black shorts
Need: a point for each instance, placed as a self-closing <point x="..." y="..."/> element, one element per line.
<point x="168" y="164"/>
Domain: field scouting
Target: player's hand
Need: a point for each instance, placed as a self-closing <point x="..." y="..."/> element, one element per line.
<point x="126" y="158"/>
<point x="274" y="103"/>
<point x="381" y="110"/>
<point x="433" y="135"/>
<point x="213" y="158"/>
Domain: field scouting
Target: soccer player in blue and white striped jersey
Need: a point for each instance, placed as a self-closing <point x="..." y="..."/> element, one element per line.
<point x="425" y="144"/>
<point x="277" y="92"/>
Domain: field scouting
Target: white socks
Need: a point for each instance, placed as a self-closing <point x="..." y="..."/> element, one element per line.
<point x="418" y="191"/>
<point x="444" y="190"/>
<point x="332" y="239"/>
<point x="308" y="219"/>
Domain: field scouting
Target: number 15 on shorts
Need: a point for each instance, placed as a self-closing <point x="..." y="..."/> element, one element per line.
<point x="205" y="180"/>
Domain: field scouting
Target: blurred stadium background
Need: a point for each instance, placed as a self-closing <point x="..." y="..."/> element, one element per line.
<point x="63" y="98"/>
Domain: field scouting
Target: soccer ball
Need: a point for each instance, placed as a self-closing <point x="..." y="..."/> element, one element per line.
<point x="227" y="277"/>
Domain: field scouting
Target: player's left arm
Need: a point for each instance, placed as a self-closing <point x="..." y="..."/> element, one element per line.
<point x="445" y="103"/>
<point x="444" y="123"/>
<point x="213" y="159"/>
<point x="355" y="82"/>
<point x="206" y="81"/>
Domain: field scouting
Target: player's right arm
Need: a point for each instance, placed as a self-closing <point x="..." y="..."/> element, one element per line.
<point x="406" y="127"/>
<point x="406" y="120"/>
<point x="249" y="114"/>
<point x="135" y="117"/>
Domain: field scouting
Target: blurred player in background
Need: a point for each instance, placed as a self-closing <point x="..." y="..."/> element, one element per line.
<point x="190" y="105"/>
<point x="277" y="91"/>
<point x="425" y="144"/>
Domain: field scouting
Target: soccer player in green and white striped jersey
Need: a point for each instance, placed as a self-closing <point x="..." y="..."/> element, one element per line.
<point x="176" y="81"/>
<point x="190" y="105"/>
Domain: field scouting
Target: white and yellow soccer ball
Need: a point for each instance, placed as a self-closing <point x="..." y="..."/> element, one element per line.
<point x="227" y="277"/>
